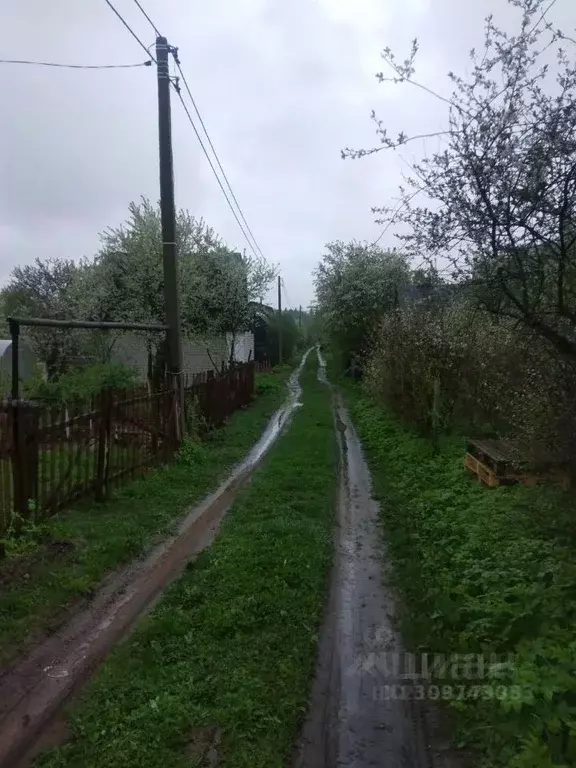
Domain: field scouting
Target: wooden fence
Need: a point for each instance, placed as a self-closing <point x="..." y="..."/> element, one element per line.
<point x="50" y="456"/>
<point x="215" y="396"/>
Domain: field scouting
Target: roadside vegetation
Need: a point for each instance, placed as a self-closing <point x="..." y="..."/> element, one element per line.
<point x="50" y="566"/>
<point x="487" y="572"/>
<point x="220" y="671"/>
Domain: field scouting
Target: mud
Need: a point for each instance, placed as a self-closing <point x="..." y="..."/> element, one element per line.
<point x="359" y="715"/>
<point x="33" y="693"/>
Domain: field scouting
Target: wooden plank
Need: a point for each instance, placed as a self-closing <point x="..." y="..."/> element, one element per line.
<point x="484" y="473"/>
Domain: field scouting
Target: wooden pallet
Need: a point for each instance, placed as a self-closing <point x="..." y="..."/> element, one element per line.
<point x="494" y="463"/>
<point x="482" y="472"/>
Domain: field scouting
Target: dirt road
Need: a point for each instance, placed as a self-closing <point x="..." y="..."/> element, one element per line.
<point x="33" y="692"/>
<point x="359" y="716"/>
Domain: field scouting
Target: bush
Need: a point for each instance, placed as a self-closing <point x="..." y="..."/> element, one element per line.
<point x="81" y="383"/>
<point x="446" y="367"/>
<point x="192" y="452"/>
<point x="265" y="383"/>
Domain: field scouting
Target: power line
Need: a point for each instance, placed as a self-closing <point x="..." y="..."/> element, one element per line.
<point x="148" y="19"/>
<point x="289" y="303"/>
<point x="74" y="66"/>
<point x="214" y="170"/>
<point x="215" y="153"/>
<point x="174" y="51"/>
<point x="129" y="28"/>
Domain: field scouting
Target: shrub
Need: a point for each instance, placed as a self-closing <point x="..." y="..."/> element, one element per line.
<point x="81" y="383"/>
<point x="266" y="383"/>
<point x="445" y="367"/>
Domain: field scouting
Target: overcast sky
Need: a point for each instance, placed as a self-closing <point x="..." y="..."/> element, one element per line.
<point x="283" y="86"/>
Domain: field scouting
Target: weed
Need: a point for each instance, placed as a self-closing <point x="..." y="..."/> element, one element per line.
<point x="267" y="382"/>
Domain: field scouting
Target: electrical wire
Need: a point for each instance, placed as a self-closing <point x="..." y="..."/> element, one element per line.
<point x="214" y="169"/>
<point x="182" y="75"/>
<point x="253" y="244"/>
<point x="148" y="19"/>
<point x="129" y="28"/>
<point x="74" y="66"/>
<point x="289" y="304"/>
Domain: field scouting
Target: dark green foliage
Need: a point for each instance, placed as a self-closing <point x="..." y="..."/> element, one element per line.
<point x="81" y="383"/>
<point x="267" y="382"/>
<point x="291" y="336"/>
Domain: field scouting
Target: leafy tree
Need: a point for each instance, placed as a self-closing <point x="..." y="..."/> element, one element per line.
<point x="125" y="282"/>
<point x="355" y="284"/>
<point x="290" y="336"/>
<point x="46" y="289"/>
<point x="217" y="285"/>
<point x="497" y="203"/>
<point x="229" y="289"/>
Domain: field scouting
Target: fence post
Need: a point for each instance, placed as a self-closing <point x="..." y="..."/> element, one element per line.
<point x="169" y="404"/>
<point x="210" y="385"/>
<point x="24" y="458"/>
<point x="251" y="381"/>
<point x="103" y="441"/>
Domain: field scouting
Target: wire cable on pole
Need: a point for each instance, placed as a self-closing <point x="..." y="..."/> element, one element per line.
<point x="253" y="243"/>
<point x="182" y="75"/>
<point x="289" y="304"/>
<point x="214" y="169"/>
<point x="74" y="66"/>
<point x="148" y="19"/>
<point x="129" y="28"/>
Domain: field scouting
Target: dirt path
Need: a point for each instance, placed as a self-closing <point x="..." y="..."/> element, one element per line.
<point x="358" y="717"/>
<point x="33" y="693"/>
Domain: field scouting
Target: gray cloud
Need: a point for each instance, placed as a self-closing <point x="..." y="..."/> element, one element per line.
<point x="282" y="86"/>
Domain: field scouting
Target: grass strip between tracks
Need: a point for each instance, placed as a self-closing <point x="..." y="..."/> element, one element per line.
<point x="64" y="559"/>
<point x="220" y="671"/>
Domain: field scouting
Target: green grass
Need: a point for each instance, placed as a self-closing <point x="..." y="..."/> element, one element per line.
<point x="483" y="571"/>
<point x="65" y="558"/>
<point x="228" y="654"/>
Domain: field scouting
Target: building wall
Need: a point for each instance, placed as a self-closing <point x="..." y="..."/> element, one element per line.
<point x="199" y="354"/>
<point x="243" y="346"/>
<point x="28" y="365"/>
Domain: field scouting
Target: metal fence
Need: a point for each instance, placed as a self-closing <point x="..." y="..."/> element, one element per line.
<point x="50" y="456"/>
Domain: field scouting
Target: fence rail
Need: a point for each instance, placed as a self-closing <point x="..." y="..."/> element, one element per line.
<point x="50" y="456"/>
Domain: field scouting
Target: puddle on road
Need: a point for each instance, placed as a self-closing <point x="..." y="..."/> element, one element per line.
<point x="377" y="723"/>
<point x="322" y="376"/>
<point x="275" y="425"/>
<point x="359" y="717"/>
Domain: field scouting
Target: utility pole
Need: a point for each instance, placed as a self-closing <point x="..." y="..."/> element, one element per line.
<point x="168" y="216"/>
<point x="279" y="320"/>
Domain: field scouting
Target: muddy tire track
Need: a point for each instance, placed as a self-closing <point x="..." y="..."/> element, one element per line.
<point x="34" y="691"/>
<point x="352" y="721"/>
